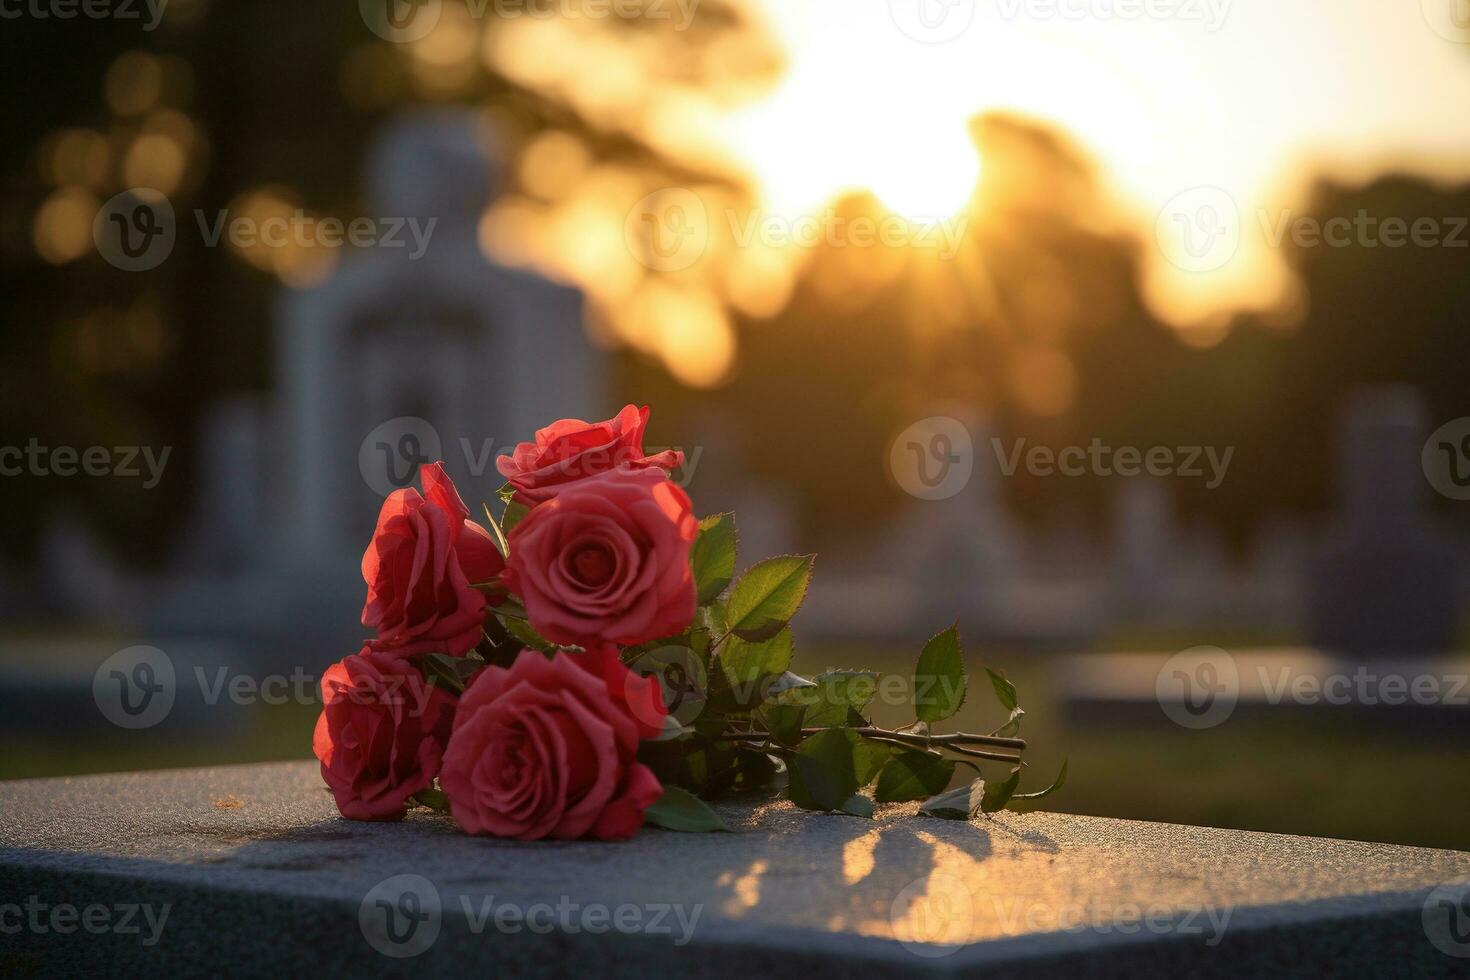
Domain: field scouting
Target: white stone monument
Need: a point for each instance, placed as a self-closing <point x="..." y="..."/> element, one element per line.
<point x="483" y="354"/>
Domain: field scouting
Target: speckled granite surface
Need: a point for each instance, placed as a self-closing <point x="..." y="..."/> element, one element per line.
<point x="259" y="876"/>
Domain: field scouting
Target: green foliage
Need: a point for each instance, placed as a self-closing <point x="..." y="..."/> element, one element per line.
<point x="526" y="634"/>
<point x="679" y="809"/>
<point x="997" y="795"/>
<point x="713" y="556"/>
<point x="747" y="663"/>
<point x="913" y="775"/>
<point x="939" y="678"/>
<point x="449" y="673"/>
<point x="768" y="595"/>
<point x="823" y="776"/>
<point x="515" y="512"/>
<point x="497" y="534"/>
<point x="1056" y="784"/>
<point x="432" y="798"/>
<point x="961" y="803"/>
<point x="763" y="726"/>
<point x="784" y="721"/>
<point x="836" y="697"/>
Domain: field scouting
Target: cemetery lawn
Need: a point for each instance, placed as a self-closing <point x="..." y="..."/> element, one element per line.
<point x="1294" y="775"/>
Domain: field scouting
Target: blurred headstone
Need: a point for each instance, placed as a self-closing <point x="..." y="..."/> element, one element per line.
<point x="1384" y="582"/>
<point x="1146" y="545"/>
<point x="421" y="352"/>
<point x="237" y="489"/>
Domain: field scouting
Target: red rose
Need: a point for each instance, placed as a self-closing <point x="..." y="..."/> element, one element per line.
<point x="571" y="449"/>
<point x="380" y="736"/>
<point x="424" y="558"/>
<point x="548" y="748"/>
<point x="607" y="560"/>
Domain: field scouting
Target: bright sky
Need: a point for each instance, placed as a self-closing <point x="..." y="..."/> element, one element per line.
<point x="1240" y="95"/>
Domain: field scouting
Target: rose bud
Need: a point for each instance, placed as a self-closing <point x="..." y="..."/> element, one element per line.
<point x="422" y="564"/>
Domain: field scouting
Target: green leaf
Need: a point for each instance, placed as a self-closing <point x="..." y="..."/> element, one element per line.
<point x="524" y="632"/>
<point x="746" y="663"/>
<point x="679" y="809"/>
<point x="869" y="757"/>
<point x="997" y="795"/>
<point x="834" y="696"/>
<point x="961" y="803"/>
<point x="1005" y="691"/>
<point x="784" y="721"/>
<point x="913" y="775"/>
<point x="768" y="595"/>
<point x="496" y="534"/>
<point x="1057" y="784"/>
<point x="858" y="805"/>
<point x="713" y="618"/>
<point x="442" y="670"/>
<point x="432" y="798"/>
<point x="713" y="556"/>
<point x="515" y="512"/>
<point x="939" y="678"/>
<point x="822" y="776"/>
<point x="788" y="682"/>
<point x="1011" y="727"/>
<point x="672" y="729"/>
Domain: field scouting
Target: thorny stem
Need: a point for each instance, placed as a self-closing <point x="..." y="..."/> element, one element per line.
<point x="955" y="741"/>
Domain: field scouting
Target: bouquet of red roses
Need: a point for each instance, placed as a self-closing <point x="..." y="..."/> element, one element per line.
<point x="583" y="665"/>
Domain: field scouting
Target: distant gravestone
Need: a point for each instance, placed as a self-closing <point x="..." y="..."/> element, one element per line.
<point x="1384" y="583"/>
<point x="401" y="358"/>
